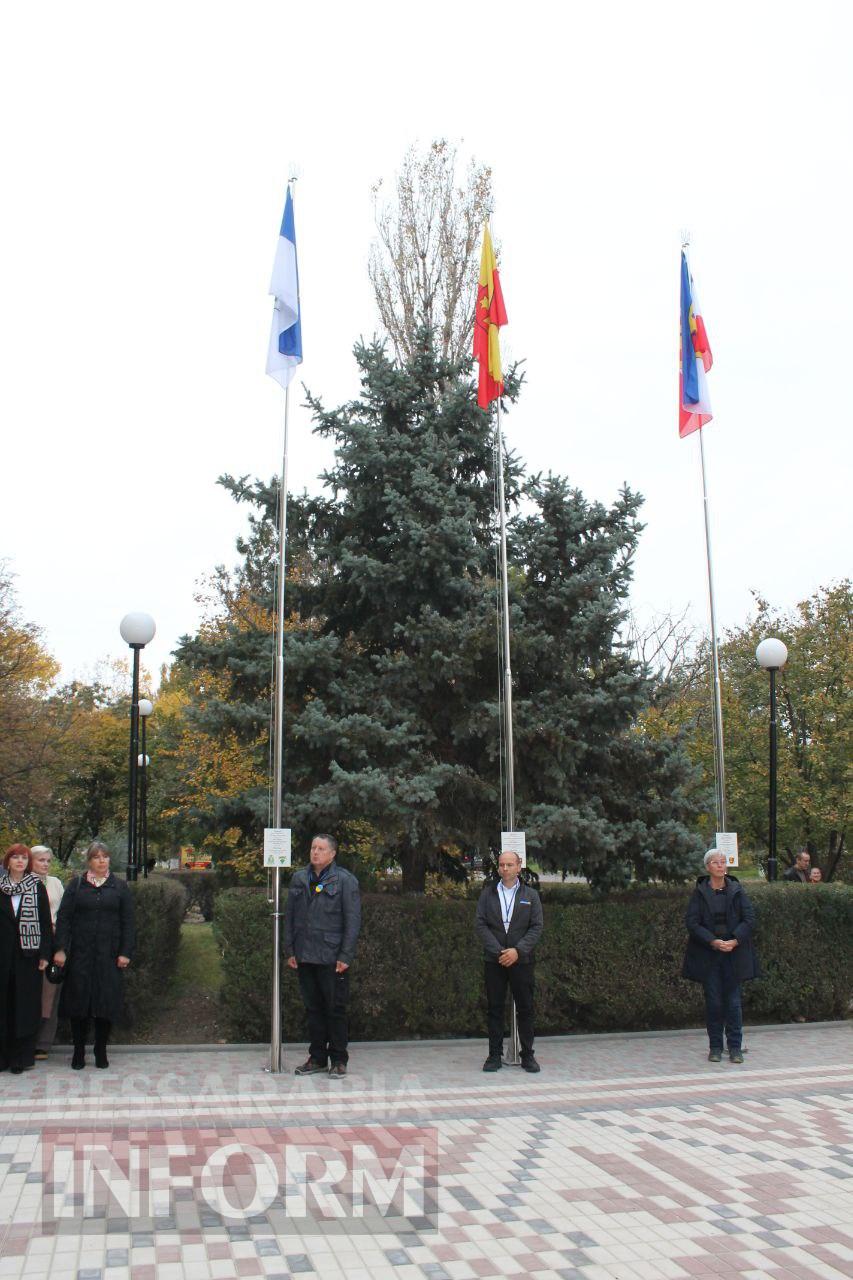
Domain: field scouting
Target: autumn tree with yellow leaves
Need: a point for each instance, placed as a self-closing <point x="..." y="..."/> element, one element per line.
<point x="814" y="725"/>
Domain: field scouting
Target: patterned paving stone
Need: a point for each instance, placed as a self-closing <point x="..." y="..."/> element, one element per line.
<point x="629" y="1158"/>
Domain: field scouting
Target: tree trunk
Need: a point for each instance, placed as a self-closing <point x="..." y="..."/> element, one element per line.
<point x="414" y="861"/>
<point x="835" y="849"/>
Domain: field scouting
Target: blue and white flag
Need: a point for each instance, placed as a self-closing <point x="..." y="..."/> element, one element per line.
<point x="285" y="350"/>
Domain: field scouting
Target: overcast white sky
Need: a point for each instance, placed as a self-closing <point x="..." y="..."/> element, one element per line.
<point x="146" y="152"/>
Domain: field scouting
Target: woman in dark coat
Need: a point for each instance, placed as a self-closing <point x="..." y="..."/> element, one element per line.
<point x="26" y="941"/>
<point x="94" y="936"/>
<point x="720" y="920"/>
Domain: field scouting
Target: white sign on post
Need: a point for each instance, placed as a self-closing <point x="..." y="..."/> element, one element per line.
<point x="276" y="846"/>
<point x="515" y="842"/>
<point x="726" y="842"/>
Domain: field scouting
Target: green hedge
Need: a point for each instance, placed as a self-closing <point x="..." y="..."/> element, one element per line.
<point x="159" y="908"/>
<point x="201" y="887"/>
<point x="610" y="965"/>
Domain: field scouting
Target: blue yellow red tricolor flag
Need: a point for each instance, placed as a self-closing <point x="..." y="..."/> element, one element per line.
<point x="695" y="359"/>
<point x="489" y="315"/>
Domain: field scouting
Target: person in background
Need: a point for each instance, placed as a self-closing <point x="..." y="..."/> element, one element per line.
<point x="94" y="937"/>
<point x="801" y="868"/>
<point x="40" y="857"/>
<point x="26" y="941"/>
<point x="509" y="925"/>
<point x="720" y="920"/>
<point x="815" y="875"/>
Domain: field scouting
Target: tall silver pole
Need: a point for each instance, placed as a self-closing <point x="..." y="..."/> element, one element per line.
<point x="507" y="673"/>
<point x="278" y="756"/>
<point x="717" y="704"/>
<point x="513" y="1054"/>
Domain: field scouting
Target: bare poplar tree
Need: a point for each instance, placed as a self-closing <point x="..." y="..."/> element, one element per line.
<point x="424" y="263"/>
<point x="672" y="651"/>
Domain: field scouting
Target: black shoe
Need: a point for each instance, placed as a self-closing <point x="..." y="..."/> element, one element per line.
<point x="310" y="1068"/>
<point x="492" y="1063"/>
<point x="78" y="1059"/>
<point x="101" y="1059"/>
<point x="715" y="1055"/>
<point x="337" y="1070"/>
<point x="530" y="1064"/>
<point x="735" y="1055"/>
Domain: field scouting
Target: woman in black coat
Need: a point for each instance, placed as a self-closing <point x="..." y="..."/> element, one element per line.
<point x="26" y="941"/>
<point x="720" y="920"/>
<point x="94" y="936"/>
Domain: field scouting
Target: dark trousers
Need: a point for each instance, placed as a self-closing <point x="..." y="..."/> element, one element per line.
<point x="47" y="1031"/>
<point x="16" y="1051"/>
<point x="519" y="979"/>
<point x="325" y="995"/>
<point x="722" y="1003"/>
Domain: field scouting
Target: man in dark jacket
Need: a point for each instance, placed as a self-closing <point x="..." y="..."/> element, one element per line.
<point x="509" y="925"/>
<point x="321" y="925"/>
<point x="720" y="920"/>
<point x="801" y="869"/>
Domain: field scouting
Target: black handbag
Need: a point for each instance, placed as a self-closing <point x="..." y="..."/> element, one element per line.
<point x="55" y="973"/>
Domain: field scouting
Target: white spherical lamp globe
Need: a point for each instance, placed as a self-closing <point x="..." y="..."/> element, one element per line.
<point x="771" y="654"/>
<point x="143" y="761"/>
<point x="137" y="628"/>
<point x="145" y="707"/>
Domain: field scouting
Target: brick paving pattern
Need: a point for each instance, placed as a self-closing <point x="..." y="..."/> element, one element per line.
<point x="629" y="1156"/>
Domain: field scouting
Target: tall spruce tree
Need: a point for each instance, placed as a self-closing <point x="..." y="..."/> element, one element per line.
<point x="390" y="656"/>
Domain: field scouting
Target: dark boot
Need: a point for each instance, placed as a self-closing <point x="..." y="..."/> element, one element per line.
<point x="102" y="1035"/>
<point x="79" y="1027"/>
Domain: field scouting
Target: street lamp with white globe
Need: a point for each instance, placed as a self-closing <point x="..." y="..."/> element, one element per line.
<point x="137" y="630"/>
<point x="772" y="655"/>
<point x="146" y="706"/>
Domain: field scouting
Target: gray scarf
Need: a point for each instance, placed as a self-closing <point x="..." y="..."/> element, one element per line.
<point x="29" y="930"/>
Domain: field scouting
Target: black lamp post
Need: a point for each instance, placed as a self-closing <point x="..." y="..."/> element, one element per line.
<point x="145" y="709"/>
<point x="137" y="630"/>
<point x="772" y="656"/>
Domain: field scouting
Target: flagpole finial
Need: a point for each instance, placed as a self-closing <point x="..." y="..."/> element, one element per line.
<point x="294" y="173"/>
<point x="685" y="238"/>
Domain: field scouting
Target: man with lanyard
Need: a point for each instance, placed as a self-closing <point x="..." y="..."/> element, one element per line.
<point x="322" y="919"/>
<point x="509" y="925"/>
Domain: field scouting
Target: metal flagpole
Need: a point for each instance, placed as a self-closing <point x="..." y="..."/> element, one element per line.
<point x="507" y="673"/>
<point x="717" y="703"/>
<point x="513" y="1055"/>
<point x="278" y="757"/>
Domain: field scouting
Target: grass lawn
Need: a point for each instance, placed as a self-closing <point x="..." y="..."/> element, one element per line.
<point x="189" y="1013"/>
<point x="199" y="962"/>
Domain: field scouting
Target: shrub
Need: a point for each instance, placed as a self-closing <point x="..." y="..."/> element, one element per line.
<point x="159" y="908"/>
<point x="201" y="887"/>
<point x="609" y="965"/>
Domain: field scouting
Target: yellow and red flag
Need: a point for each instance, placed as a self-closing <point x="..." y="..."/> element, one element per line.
<point x="489" y="315"/>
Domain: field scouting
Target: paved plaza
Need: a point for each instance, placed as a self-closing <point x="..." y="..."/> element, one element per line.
<point x="629" y="1156"/>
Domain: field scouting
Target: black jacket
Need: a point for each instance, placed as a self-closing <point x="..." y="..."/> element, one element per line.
<point x="94" y="927"/>
<point x="525" y="927"/>
<point x="794" y="873"/>
<point x="740" y="921"/>
<point x="322" y="928"/>
<point x="20" y="969"/>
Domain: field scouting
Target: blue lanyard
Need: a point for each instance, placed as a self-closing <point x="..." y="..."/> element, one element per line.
<point x="507" y="909"/>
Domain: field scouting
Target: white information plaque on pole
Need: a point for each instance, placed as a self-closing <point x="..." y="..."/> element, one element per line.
<point x="515" y="842"/>
<point x="726" y="842"/>
<point x="276" y="846"/>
